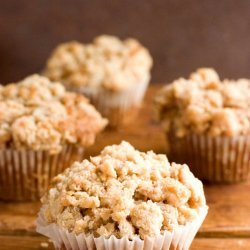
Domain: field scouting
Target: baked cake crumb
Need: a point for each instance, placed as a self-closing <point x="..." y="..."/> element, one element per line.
<point x="124" y="192"/>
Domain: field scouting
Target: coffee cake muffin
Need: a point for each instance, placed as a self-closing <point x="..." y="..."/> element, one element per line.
<point x="123" y="199"/>
<point x="43" y="129"/>
<point x="113" y="73"/>
<point x="207" y="122"/>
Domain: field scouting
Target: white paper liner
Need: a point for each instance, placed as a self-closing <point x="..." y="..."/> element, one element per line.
<point x="118" y="107"/>
<point x="26" y="174"/>
<point x="215" y="159"/>
<point x="180" y="239"/>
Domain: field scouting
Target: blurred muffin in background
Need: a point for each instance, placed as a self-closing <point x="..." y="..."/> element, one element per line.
<point x="114" y="74"/>
<point x="123" y="199"/>
<point x="207" y="122"/>
<point x="43" y="129"/>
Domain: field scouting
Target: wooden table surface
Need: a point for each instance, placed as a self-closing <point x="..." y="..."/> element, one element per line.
<point x="227" y="225"/>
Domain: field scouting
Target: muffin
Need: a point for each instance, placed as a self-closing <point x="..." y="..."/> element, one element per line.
<point x="123" y="199"/>
<point x="113" y="73"/>
<point x="207" y="123"/>
<point x="43" y="129"/>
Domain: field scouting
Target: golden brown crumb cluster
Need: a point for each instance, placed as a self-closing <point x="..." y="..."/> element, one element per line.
<point x="107" y="62"/>
<point x="38" y="114"/>
<point x="124" y="192"/>
<point x="205" y="104"/>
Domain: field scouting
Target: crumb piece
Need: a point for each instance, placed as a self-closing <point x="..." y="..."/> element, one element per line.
<point x="44" y="244"/>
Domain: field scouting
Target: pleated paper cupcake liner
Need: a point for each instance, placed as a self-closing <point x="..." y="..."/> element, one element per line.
<point x="180" y="239"/>
<point x="215" y="159"/>
<point x="25" y="174"/>
<point x="119" y="108"/>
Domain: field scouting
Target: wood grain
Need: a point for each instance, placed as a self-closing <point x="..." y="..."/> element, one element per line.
<point x="229" y="212"/>
<point x="41" y="243"/>
<point x="226" y="226"/>
<point x="144" y="133"/>
<point x="221" y="244"/>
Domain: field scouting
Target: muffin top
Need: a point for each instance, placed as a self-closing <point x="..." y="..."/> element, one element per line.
<point x="124" y="192"/>
<point x="108" y="62"/>
<point x="204" y="104"/>
<point x="40" y="115"/>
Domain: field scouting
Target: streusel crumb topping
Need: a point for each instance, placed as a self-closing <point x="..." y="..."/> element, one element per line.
<point x="107" y="62"/>
<point x="205" y="104"/>
<point x="124" y="192"/>
<point x="40" y="115"/>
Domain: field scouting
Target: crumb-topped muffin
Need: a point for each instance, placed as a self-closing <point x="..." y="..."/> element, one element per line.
<point x="204" y="105"/>
<point x="40" y="115"/>
<point x="124" y="193"/>
<point x="112" y="73"/>
<point x="37" y="116"/>
<point x="108" y="62"/>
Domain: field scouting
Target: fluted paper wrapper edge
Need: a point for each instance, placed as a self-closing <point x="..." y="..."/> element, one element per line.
<point x="217" y="159"/>
<point x="119" y="107"/>
<point x="180" y="239"/>
<point x="25" y="174"/>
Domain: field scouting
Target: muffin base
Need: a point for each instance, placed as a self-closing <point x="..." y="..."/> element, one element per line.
<point x="180" y="239"/>
<point x="25" y="174"/>
<point x="120" y="108"/>
<point x="214" y="159"/>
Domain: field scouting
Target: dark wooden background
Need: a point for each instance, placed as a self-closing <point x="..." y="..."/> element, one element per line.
<point x="181" y="34"/>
